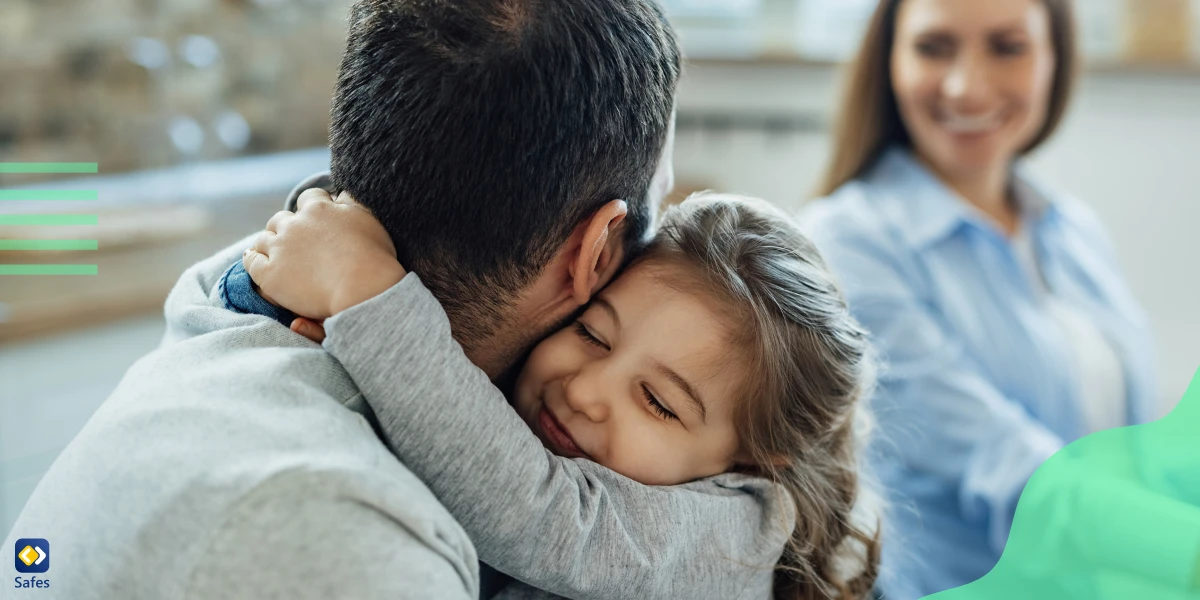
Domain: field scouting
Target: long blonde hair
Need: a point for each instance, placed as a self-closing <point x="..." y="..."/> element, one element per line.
<point x="868" y="121"/>
<point x="800" y="421"/>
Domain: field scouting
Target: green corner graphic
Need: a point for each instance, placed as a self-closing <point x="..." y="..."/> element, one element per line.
<point x="1114" y="515"/>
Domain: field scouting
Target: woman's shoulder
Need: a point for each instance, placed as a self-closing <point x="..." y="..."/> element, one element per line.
<point x="1074" y="213"/>
<point x="854" y="214"/>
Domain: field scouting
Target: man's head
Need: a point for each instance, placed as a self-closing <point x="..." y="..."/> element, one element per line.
<point x="509" y="147"/>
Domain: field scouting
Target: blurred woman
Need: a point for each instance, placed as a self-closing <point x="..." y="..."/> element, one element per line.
<point x="994" y="298"/>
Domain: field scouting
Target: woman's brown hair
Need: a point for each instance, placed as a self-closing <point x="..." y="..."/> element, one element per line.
<point x="869" y="120"/>
<point x="800" y="418"/>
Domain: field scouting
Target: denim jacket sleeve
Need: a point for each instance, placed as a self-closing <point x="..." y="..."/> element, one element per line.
<point x="237" y="289"/>
<point x="238" y="294"/>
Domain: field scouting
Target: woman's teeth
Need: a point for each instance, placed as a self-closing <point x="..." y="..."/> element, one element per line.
<point x="957" y="124"/>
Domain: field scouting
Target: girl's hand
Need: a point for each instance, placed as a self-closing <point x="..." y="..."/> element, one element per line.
<point x="313" y="330"/>
<point x="329" y="255"/>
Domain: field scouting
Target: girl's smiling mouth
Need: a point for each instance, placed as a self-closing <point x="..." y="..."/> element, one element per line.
<point x="557" y="435"/>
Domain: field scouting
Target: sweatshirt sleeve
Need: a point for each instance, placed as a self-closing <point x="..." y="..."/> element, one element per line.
<point x="237" y="293"/>
<point x="522" y="591"/>
<point x="567" y="526"/>
<point x="196" y="304"/>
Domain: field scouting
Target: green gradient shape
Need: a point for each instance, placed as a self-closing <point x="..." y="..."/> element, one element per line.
<point x="1112" y="516"/>
<point x="49" y="245"/>
<point x="48" y="167"/>
<point x="49" y="270"/>
<point x="67" y="195"/>
<point x="60" y="219"/>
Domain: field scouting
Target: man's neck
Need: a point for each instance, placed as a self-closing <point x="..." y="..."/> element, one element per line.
<point x="490" y="365"/>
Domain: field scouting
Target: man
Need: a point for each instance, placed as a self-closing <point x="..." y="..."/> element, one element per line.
<point x="508" y="147"/>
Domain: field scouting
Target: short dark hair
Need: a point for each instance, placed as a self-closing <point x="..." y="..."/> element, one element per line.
<point x="482" y="132"/>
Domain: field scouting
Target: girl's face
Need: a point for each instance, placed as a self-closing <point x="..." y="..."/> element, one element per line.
<point x="972" y="79"/>
<point x="643" y="383"/>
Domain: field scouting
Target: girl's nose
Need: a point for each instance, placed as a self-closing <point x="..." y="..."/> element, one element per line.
<point x="585" y="393"/>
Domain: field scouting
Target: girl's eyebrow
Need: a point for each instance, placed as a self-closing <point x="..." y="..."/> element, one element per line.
<point x="688" y="390"/>
<point x="612" y="312"/>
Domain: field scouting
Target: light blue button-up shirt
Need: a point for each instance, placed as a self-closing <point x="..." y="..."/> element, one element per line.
<point x="978" y="385"/>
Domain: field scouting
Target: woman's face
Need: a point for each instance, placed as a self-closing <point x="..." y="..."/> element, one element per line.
<point x="972" y="79"/>
<point x="643" y="383"/>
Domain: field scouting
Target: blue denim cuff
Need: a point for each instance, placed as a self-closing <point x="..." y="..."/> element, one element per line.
<point x="237" y="292"/>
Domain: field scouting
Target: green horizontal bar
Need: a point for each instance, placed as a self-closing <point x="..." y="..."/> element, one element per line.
<point x="48" y="195"/>
<point x="49" y="219"/>
<point x="49" y="245"/>
<point x="49" y="270"/>
<point x="48" y="167"/>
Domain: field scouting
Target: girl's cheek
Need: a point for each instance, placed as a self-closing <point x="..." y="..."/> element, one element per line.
<point x="556" y="355"/>
<point x="647" y="453"/>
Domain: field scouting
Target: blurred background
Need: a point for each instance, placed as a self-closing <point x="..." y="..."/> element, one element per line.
<point x="202" y="114"/>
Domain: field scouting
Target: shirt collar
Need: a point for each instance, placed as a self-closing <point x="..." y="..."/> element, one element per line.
<point x="930" y="211"/>
<point x="1039" y="203"/>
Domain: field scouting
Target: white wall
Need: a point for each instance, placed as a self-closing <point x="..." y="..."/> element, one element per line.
<point x="1130" y="147"/>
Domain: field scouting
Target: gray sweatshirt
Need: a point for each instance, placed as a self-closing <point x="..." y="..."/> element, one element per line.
<point x="568" y="526"/>
<point x="230" y="464"/>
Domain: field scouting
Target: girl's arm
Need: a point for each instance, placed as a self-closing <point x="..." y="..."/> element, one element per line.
<point x="570" y="527"/>
<point x="521" y="591"/>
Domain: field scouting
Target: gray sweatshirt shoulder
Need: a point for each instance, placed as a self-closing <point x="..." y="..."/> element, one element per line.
<point x="227" y="464"/>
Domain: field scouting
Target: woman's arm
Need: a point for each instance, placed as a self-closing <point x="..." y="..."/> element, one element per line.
<point x="570" y="527"/>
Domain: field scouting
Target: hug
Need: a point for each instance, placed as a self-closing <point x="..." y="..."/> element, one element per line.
<point x="487" y="355"/>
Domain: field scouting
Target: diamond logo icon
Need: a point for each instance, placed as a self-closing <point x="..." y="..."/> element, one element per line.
<point x="32" y="555"/>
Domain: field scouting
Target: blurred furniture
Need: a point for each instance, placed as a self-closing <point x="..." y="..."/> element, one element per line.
<point x="137" y="85"/>
<point x="152" y="226"/>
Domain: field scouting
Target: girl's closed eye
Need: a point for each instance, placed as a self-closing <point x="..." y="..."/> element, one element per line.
<point x="588" y="336"/>
<point x="657" y="406"/>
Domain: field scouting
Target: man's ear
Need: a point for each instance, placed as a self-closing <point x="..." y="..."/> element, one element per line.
<point x="600" y="251"/>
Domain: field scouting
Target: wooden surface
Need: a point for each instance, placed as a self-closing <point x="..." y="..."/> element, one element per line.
<point x="133" y="278"/>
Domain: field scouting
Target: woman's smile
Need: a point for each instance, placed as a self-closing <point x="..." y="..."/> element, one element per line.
<point x="975" y="125"/>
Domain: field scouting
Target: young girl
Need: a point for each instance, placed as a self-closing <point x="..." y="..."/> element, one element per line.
<point x="723" y="351"/>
